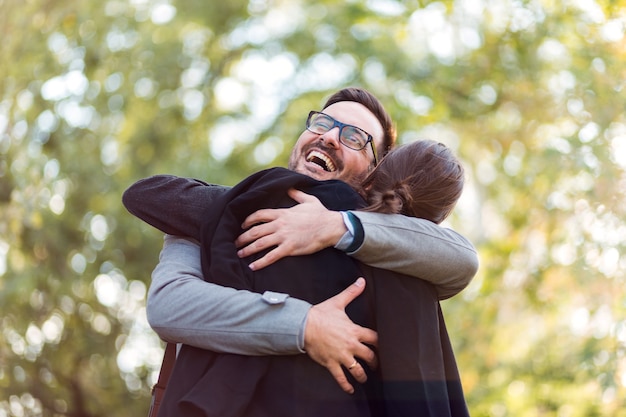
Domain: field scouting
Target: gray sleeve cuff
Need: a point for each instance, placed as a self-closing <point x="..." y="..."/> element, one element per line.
<point x="274" y="298"/>
<point x="348" y="238"/>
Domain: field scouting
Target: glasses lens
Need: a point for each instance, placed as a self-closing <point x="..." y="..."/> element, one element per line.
<point x="353" y="137"/>
<point x="320" y="123"/>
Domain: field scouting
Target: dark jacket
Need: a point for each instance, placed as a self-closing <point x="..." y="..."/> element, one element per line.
<point x="417" y="373"/>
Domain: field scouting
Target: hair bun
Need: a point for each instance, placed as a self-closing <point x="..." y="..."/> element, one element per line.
<point x="392" y="201"/>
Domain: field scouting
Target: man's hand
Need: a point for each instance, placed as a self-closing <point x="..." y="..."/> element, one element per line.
<point x="332" y="339"/>
<point x="305" y="228"/>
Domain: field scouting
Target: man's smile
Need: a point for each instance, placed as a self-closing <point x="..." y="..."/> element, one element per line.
<point x="322" y="160"/>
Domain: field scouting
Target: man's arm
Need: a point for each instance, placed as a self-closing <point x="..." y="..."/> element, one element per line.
<point x="431" y="252"/>
<point x="184" y="308"/>
<point x="408" y="245"/>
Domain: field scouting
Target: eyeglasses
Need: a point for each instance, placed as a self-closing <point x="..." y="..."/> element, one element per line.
<point x="350" y="136"/>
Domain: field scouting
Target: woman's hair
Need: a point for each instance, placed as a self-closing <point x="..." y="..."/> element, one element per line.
<point x="374" y="105"/>
<point x="420" y="179"/>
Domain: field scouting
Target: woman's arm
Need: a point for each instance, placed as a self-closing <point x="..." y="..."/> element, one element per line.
<point x="174" y="205"/>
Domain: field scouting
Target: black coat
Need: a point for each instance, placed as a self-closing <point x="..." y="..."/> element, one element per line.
<point x="417" y="374"/>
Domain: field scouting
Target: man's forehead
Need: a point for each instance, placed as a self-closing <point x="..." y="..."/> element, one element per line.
<point x="351" y="112"/>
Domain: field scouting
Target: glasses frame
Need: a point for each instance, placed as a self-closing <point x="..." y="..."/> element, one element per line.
<point x="340" y="125"/>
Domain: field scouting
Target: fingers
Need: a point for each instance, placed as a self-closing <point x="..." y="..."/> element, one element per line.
<point x="334" y="341"/>
<point x="349" y="294"/>
<point x="340" y="377"/>
<point x="260" y="216"/>
<point x="268" y="215"/>
<point x="367" y="354"/>
<point x="368" y="336"/>
<point x="254" y="233"/>
<point x="256" y="240"/>
<point x="357" y="371"/>
<point x="266" y="260"/>
<point x="301" y="196"/>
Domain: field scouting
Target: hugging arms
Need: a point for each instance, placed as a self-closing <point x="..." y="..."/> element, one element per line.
<point x="182" y="307"/>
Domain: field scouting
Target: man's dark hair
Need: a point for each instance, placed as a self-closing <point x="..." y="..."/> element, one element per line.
<point x="374" y="105"/>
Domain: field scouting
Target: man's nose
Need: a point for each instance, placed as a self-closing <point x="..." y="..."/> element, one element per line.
<point x="331" y="138"/>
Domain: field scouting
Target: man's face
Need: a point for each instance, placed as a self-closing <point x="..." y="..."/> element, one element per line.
<point x="323" y="157"/>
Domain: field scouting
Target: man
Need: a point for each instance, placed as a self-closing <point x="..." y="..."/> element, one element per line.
<point x="184" y="308"/>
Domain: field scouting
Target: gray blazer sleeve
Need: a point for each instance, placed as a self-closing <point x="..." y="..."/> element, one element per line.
<point x="418" y="248"/>
<point x="184" y="308"/>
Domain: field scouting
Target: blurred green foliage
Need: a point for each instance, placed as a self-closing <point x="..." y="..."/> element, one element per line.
<point x="96" y="95"/>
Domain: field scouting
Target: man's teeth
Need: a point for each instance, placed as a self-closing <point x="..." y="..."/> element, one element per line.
<point x="322" y="160"/>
